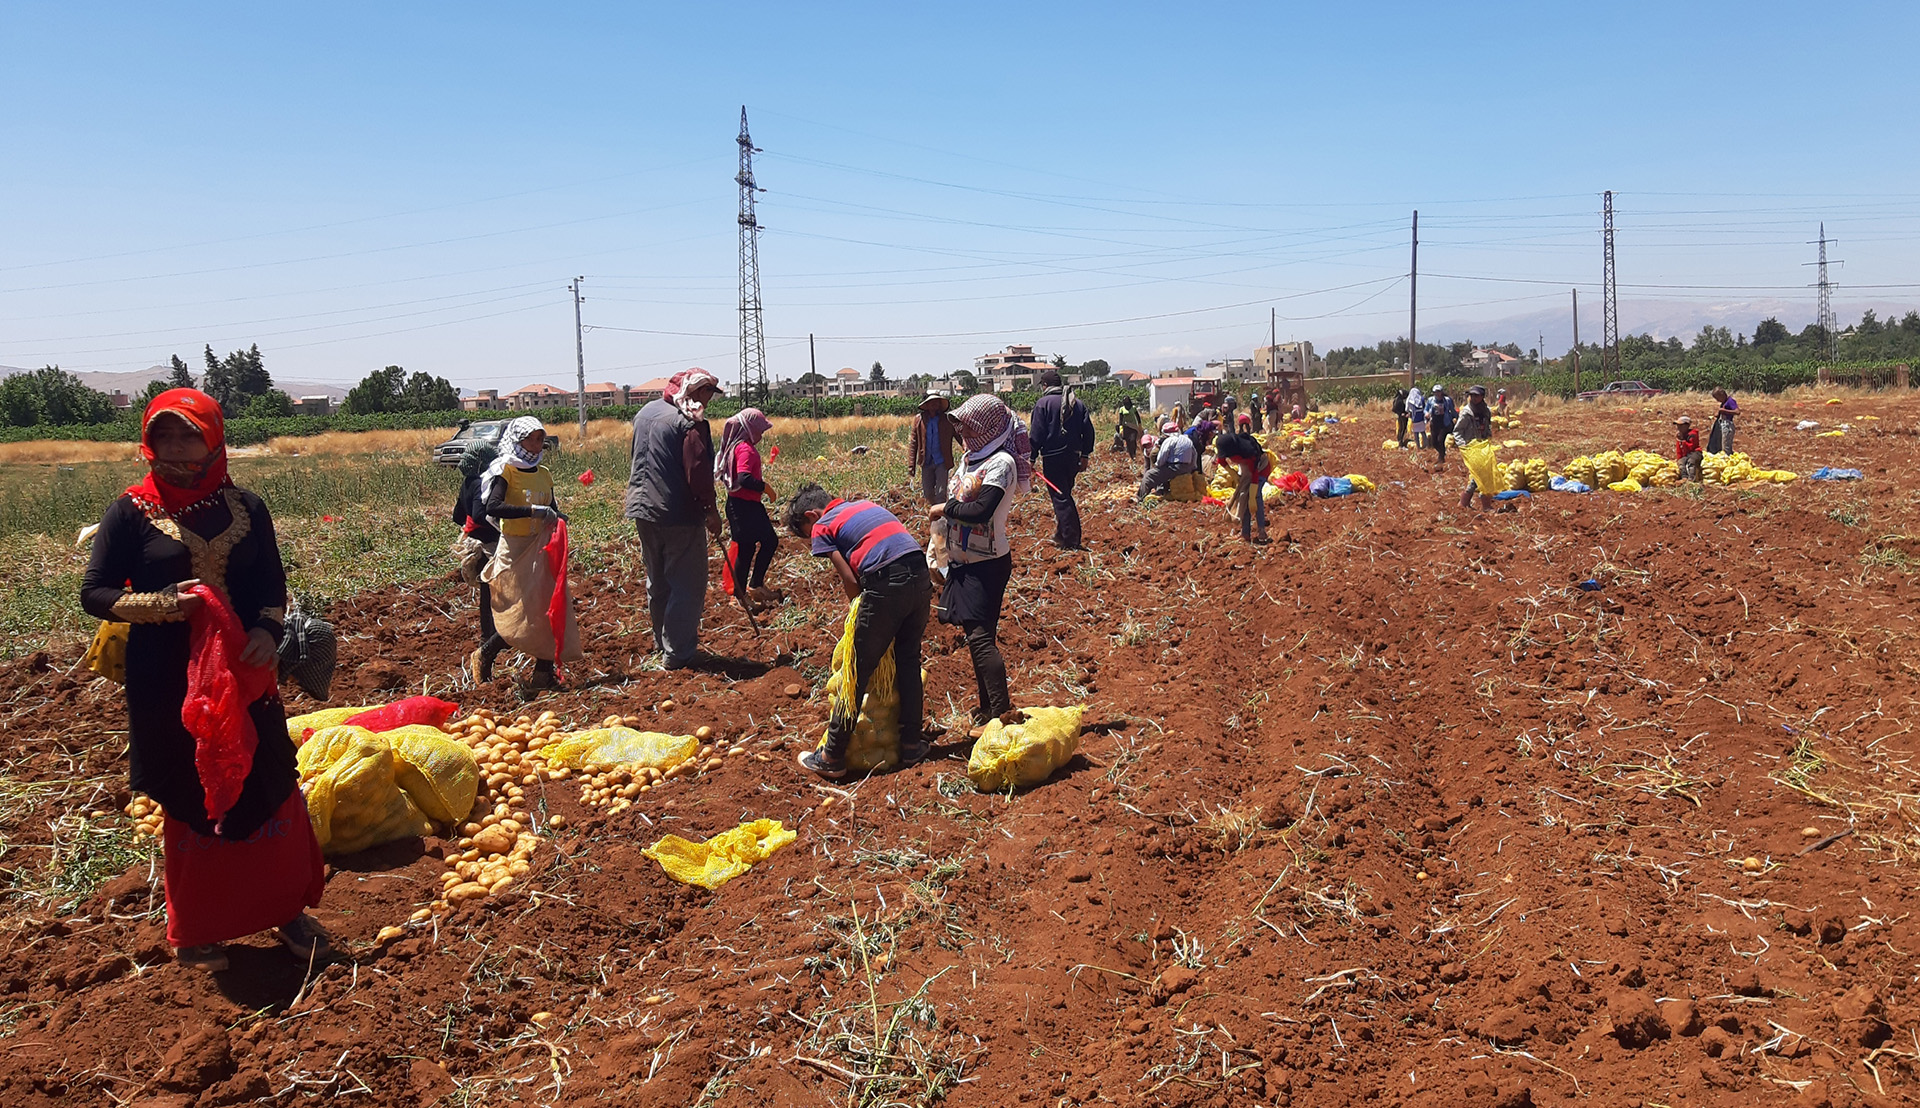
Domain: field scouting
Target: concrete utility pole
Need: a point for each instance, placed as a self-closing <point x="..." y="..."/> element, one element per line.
<point x="1413" y="302"/>
<point x="579" y="362"/>
<point x="1576" y="340"/>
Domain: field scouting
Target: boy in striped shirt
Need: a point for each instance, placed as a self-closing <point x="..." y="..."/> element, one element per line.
<point x="881" y="565"/>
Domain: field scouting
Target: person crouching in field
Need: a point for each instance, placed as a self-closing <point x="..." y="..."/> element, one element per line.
<point x="517" y="495"/>
<point x="190" y="562"/>
<point x="882" y="568"/>
<point x="1686" y="448"/>
<point x="737" y="467"/>
<point x="1173" y="455"/>
<point x="994" y="471"/>
<point x="1255" y="469"/>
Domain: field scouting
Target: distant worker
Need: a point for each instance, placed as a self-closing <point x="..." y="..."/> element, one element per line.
<point x="1500" y="403"/>
<point x="1255" y="408"/>
<point x="1440" y="419"/>
<point x="1687" y="448"/>
<point x="1062" y="446"/>
<point x="739" y="469"/>
<point x="1399" y="409"/>
<point x="930" y="448"/>
<point x="1273" y="407"/>
<point x="670" y="499"/>
<point x="1130" y="428"/>
<point x="1417" y="417"/>
<point x="1227" y="407"/>
<point x="1475" y="424"/>
<point x="1176" y="455"/>
<point x="993" y="473"/>
<point x="1720" y="441"/>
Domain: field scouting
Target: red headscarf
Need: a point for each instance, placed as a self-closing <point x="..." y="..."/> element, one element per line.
<point x="199" y="480"/>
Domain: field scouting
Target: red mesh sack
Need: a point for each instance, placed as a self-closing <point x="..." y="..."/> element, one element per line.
<point x="219" y="689"/>
<point x="428" y="710"/>
<point x="557" y="607"/>
<point x="1293" y="482"/>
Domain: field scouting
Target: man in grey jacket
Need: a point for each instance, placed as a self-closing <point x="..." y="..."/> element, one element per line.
<point x="670" y="499"/>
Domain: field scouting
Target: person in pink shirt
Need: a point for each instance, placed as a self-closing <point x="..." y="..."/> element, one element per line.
<point x="737" y="466"/>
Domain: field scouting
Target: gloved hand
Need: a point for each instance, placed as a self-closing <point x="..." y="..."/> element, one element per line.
<point x="545" y="513"/>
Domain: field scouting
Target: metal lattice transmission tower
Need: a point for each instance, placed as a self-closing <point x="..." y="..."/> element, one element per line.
<point x="753" y="341"/>
<point x="1609" y="303"/>
<point x="1829" y="328"/>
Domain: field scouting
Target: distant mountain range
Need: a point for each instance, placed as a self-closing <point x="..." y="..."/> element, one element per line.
<point x="135" y="381"/>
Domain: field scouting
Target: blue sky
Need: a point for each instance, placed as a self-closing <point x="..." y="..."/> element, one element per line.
<point x="355" y="185"/>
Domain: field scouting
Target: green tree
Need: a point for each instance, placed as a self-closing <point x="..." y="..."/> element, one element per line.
<point x="236" y="379"/>
<point x="52" y="396"/>
<point x="180" y="378"/>
<point x="272" y="404"/>
<point x="812" y="377"/>
<point x="877" y="375"/>
<point x="379" y="391"/>
<point x="1095" y="368"/>
<point x="1060" y="362"/>
<point x="426" y="393"/>
<point x="1769" y="332"/>
<point x="965" y="383"/>
<point x="154" y="388"/>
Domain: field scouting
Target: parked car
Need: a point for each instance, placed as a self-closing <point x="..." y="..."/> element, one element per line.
<point x="1637" y="390"/>
<point x="448" y="453"/>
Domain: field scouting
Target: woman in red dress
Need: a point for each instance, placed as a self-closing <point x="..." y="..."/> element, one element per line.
<point x="254" y="863"/>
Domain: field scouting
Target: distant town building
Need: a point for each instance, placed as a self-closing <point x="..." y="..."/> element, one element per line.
<point x="313" y="406"/>
<point x="119" y="399"/>
<point x="1488" y="362"/>
<point x="1129" y="376"/>
<point x="647" y="392"/>
<point x="1009" y="370"/>
<point x="485" y="400"/>
<point x="1287" y="357"/>
<point x="1241" y="368"/>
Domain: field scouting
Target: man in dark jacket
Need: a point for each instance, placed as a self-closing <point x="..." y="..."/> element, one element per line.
<point x="1062" y="445"/>
<point x="1400" y="415"/>
<point x="670" y="499"/>
<point x="930" y="448"/>
<point x="1474" y="424"/>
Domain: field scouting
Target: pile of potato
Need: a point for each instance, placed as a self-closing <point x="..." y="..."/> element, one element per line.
<point x="147" y="815"/>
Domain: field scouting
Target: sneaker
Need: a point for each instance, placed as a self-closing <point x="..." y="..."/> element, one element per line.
<point x="813" y="761"/>
<point x="542" y="678"/>
<point x="765" y="596"/>
<point x="914" y="751"/>
<point x="211" y="959"/>
<point x="479" y="667"/>
<point x="305" y="939"/>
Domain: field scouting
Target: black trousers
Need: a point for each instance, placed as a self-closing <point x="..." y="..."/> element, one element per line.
<point x="1060" y="471"/>
<point x="748" y="522"/>
<point x="893" y="614"/>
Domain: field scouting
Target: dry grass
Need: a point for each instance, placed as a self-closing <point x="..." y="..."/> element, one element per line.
<point x="357" y="442"/>
<point x="62" y="452"/>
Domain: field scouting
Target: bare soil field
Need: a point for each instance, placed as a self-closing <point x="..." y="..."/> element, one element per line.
<point x="1389" y="812"/>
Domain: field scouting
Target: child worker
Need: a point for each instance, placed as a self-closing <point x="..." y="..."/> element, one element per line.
<point x="517" y="496"/>
<point x="883" y="569"/>
<point x="1254" y="468"/>
<point x="1686" y="448"/>
<point x="737" y="467"/>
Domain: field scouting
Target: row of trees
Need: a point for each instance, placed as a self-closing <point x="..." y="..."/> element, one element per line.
<point x="1870" y="340"/>
<point x="52" y="397"/>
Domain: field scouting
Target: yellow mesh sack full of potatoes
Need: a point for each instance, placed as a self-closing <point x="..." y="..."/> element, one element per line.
<point x="1021" y="755"/>
<point x="620" y="746"/>
<point x="722" y="858"/>
<point x="1483" y="463"/>
<point x="876" y="729"/>
<point x="354" y="797"/>
<point x="438" y="772"/>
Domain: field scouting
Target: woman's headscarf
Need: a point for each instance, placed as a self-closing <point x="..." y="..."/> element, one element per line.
<point x="175" y="488"/>
<point x="746" y="425"/>
<point x="511" y="453"/>
<point x="682" y="384"/>
<point x="988" y="425"/>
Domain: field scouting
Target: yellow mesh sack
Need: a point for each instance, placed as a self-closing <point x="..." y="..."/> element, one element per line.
<point x="1360" y="483"/>
<point x="876" y="728"/>
<point x="722" y="858"/>
<point x="298" y="726"/>
<point x="1022" y="755"/>
<point x="1186" y="488"/>
<point x="1483" y="461"/>
<point x="107" y="654"/>
<point x="353" y="796"/>
<point x="438" y="773"/>
<point x="620" y="746"/>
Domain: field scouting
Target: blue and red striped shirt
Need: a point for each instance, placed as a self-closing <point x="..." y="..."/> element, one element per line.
<point x="866" y="534"/>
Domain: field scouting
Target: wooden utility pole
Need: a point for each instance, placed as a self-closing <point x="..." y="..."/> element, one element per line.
<point x="579" y="363"/>
<point x="1576" y="341"/>
<point x="813" y="370"/>
<point x="1413" y="302"/>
